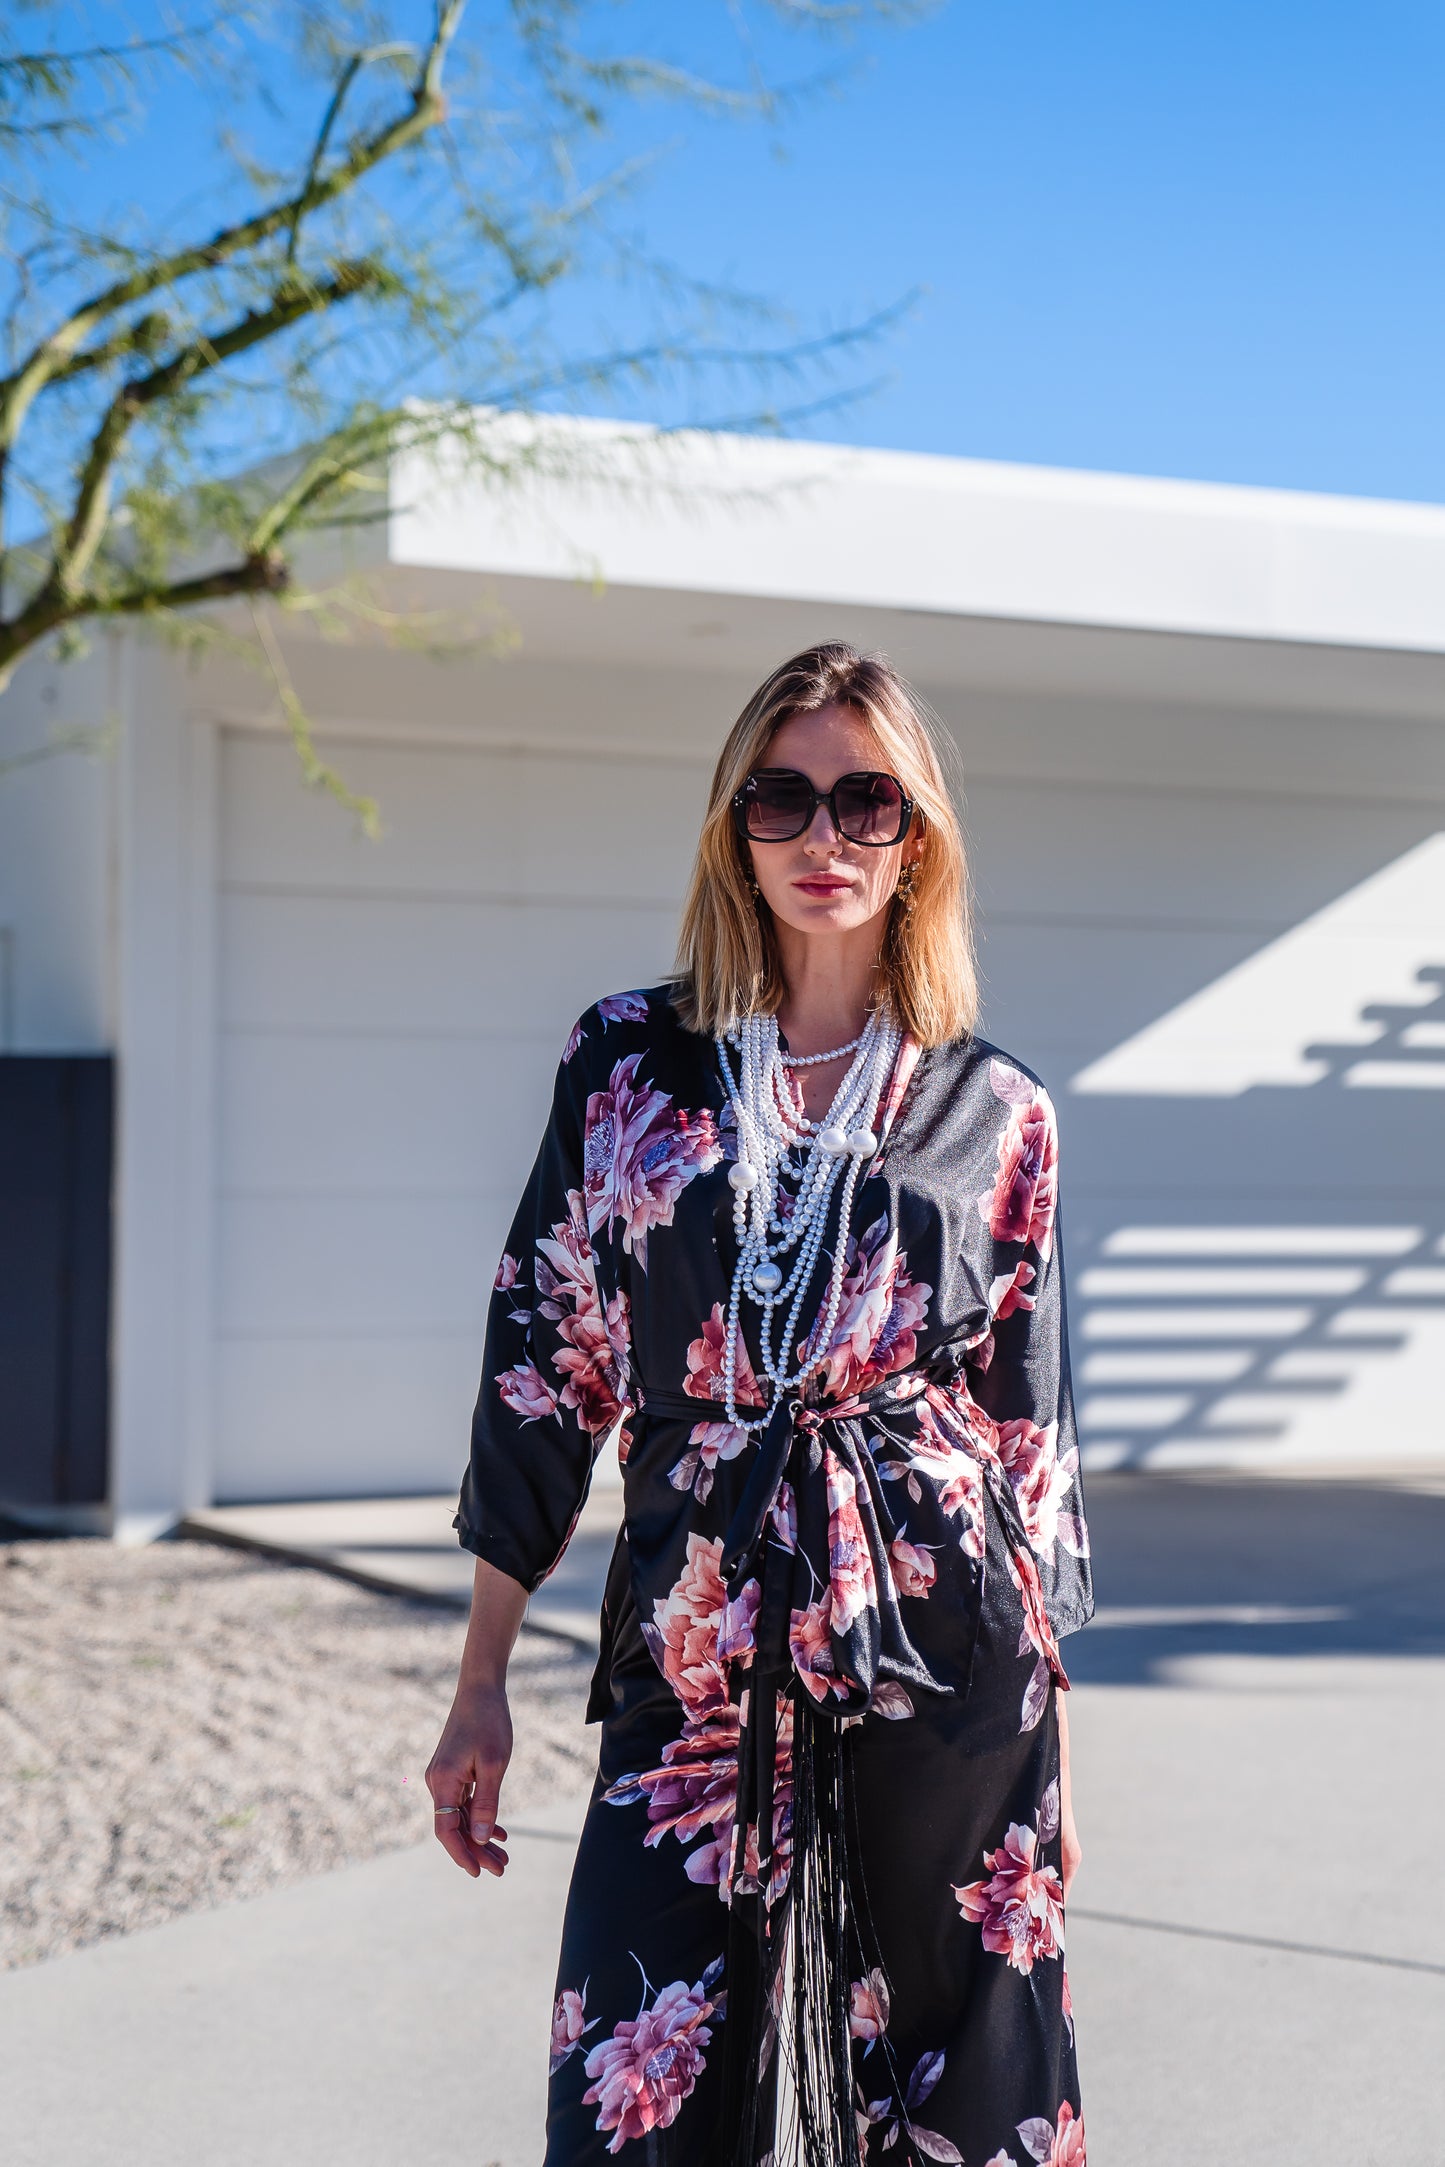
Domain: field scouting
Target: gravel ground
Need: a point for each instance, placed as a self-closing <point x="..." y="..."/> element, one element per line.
<point x="181" y="1725"/>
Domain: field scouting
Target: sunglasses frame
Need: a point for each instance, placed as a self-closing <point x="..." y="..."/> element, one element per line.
<point x="823" y="797"/>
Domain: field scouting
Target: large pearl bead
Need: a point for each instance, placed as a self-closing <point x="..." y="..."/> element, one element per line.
<point x="768" y="1277"/>
<point x="832" y="1140"/>
<point x="862" y="1143"/>
<point x="743" y="1177"/>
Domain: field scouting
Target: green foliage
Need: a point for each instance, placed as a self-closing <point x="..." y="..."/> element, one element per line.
<point x="187" y="402"/>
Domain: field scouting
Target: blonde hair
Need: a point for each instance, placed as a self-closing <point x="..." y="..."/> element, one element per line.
<point x="728" y="963"/>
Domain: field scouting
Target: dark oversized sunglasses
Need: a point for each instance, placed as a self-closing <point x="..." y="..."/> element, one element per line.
<point x="777" y="804"/>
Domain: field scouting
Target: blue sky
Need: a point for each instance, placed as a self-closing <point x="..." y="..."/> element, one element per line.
<point x="1201" y="241"/>
<point x="1195" y="241"/>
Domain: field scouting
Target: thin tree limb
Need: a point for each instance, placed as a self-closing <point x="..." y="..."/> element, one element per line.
<point x="19" y="391"/>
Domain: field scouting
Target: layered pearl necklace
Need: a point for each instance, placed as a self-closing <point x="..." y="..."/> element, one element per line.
<point x="770" y="1126"/>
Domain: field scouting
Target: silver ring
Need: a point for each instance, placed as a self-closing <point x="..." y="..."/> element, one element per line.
<point x="439" y="1810"/>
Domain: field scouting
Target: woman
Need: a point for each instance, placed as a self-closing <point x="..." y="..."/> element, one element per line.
<point x="795" y="1228"/>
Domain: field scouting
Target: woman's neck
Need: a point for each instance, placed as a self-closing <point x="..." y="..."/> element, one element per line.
<point x="830" y="987"/>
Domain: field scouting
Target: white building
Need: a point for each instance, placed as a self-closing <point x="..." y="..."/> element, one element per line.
<point x="1203" y="735"/>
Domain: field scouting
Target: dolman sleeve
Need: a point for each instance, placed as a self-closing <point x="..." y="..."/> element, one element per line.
<point x="553" y="1363"/>
<point x="1024" y="1382"/>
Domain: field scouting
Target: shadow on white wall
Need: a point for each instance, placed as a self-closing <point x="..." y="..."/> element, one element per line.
<point x="1296" y="1315"/>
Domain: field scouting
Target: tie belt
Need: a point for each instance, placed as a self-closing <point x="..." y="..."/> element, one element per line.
<point x="837" y="1560"/>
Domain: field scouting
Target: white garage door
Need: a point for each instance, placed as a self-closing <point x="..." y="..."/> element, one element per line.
<point x="391" y="1014"/>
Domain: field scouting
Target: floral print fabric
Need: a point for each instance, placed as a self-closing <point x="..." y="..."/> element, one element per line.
<point x="911" y="1546"/>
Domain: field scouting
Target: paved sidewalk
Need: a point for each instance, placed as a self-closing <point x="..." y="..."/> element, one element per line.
<point x="1256" y="1946"/>
<point x="389" y="2013"/>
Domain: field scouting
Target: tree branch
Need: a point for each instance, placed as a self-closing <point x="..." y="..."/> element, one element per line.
<point x="51" y="70"/>
<point x="320" y="472"/>
<point x="86" y="527"/>
<point x="141" y="337"/>
<point x="264" y="573"/>
<point x="425" y="108"/>
<point x="257" y="574"/>
<point x="348" y="75"/>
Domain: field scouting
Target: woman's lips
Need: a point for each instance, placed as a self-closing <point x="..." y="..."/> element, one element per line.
<point x="821" y="885"/>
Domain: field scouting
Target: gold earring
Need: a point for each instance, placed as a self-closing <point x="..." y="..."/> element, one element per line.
<point x="905" y="887"/>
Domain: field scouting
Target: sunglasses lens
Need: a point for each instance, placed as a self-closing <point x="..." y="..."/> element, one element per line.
<point x="870" y="808"/>
<point x="777" y="807"/>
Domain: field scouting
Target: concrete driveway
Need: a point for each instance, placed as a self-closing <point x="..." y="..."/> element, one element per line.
<point x="1256" y="1945"/>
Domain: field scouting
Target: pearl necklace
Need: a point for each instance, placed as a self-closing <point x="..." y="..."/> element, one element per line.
<point x="770" y="1126"/>
<point x="816" y="1060"/>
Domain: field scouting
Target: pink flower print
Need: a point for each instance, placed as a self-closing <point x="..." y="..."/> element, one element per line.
<point x="1041" y="1479"/>
<point x="569" y="2025"/>
<point x="619" y="1331"/>
<point x="914" y="1571"/>
<point x="784" y="1517"/>
<point x="868" y="2008"/>
<point x="1021" y="1204"/>
<point x="587" y="1358"/>
<point x="1037" y="1632"/>
<point x="695" y="1792"/>
<point x="506" y="1273"/>
<point x="962" y="1494"/>
<point x="745" y="1873"/>
<point x="880" y="1315"/>
<point x="623" y="1008"/>
<point x="683" y="1635"/>
<point x="1019" y="1910"/>
<point x="575" y="1038"/>
<point x="812" y="1650"/>
<point x="526" y="1391"/>
<point x="735" y="1643"/>
<point x="850" y="1562"/>
<point x="696" y="1788"/>
<point x="567" y="1274"/>
<point x="708" y="1442"/>
<point x="958" y="1416"/>
<point x="713" y="1441"/>
<point x="588" y="1368"/>
<point x="704" y="1379"/>
<point x="1068" y="2007"/>
<point x="644" y="2072"/>
<point x="1055" y="2147"/>
<point x="1006" y="1294"/>
<point x="639" y="1155"/>
<point x="957" y="1475"/>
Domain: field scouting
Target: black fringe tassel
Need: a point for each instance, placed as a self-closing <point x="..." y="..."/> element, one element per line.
<point x="821" y="2130"/>
<point x="753" y="1959"/>
<point x="822" y="2053"/>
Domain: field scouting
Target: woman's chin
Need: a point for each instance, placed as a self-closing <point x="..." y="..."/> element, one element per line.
<point x="822" y="914"/>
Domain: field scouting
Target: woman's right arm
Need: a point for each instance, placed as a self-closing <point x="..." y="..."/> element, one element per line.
<point x="550" y="1391"/>
<point x="466" y="1771"/>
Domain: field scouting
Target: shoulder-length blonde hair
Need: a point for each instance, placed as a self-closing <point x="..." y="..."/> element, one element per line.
<point x="728" y="963"/>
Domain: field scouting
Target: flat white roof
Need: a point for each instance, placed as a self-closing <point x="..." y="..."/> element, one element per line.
<point x="826" y="523"/>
